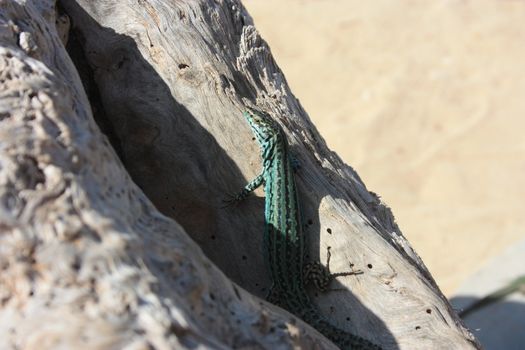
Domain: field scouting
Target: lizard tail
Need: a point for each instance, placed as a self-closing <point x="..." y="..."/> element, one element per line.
<point x="344" y="340"/>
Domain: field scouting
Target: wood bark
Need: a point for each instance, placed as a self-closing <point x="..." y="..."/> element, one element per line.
<point x="95" y="249"/>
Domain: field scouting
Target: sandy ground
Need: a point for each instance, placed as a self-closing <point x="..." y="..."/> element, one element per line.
<point x="426" y="100"/>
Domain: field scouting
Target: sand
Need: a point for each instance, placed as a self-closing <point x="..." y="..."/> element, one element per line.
<point x="426" y="100"/>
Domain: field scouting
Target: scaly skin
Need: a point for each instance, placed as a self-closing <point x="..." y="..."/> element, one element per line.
<point x="283" y="237"/>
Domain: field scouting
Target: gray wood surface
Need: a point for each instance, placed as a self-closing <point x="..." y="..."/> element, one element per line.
<point x="88" y="261"/>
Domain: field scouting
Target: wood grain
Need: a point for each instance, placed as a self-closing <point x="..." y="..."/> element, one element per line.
<point x="86" y="257"/>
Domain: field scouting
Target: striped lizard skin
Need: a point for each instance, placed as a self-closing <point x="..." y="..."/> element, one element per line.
<point x="283" y="237"/>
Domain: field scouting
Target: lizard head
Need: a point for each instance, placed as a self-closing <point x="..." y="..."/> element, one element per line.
<point x="262" y="125"/>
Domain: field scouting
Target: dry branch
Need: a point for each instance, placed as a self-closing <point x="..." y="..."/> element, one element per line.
<point x="88" y="262"/>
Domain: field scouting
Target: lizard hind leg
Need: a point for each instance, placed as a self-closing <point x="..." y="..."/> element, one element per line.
<point x="321" y="277"/>
<point x="316" y="274"/>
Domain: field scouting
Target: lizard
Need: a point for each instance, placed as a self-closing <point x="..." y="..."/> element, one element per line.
<point x="283" y="237"/>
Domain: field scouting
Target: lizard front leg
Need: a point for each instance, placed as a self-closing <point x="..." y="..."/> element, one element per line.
<point x="249" y="188"/>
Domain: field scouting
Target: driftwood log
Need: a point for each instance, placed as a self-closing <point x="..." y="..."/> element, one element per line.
<point x="96" y="217"/>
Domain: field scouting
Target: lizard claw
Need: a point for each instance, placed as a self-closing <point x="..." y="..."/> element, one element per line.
<point x="235" y="198"/>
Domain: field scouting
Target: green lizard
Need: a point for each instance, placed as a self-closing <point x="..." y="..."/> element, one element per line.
<point x="283" y="236"/>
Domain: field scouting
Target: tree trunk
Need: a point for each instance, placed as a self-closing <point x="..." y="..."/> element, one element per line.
<point x="89" y="262"/>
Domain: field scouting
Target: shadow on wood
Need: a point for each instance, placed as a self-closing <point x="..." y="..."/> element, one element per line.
<point x="178" y="163"/>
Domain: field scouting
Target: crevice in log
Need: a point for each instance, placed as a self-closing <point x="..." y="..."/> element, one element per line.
<point x="75" y="49"/>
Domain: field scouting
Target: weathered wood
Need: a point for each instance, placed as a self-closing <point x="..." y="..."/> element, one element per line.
<point x="86" y="261"/>
<point x="82" y="247"/>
